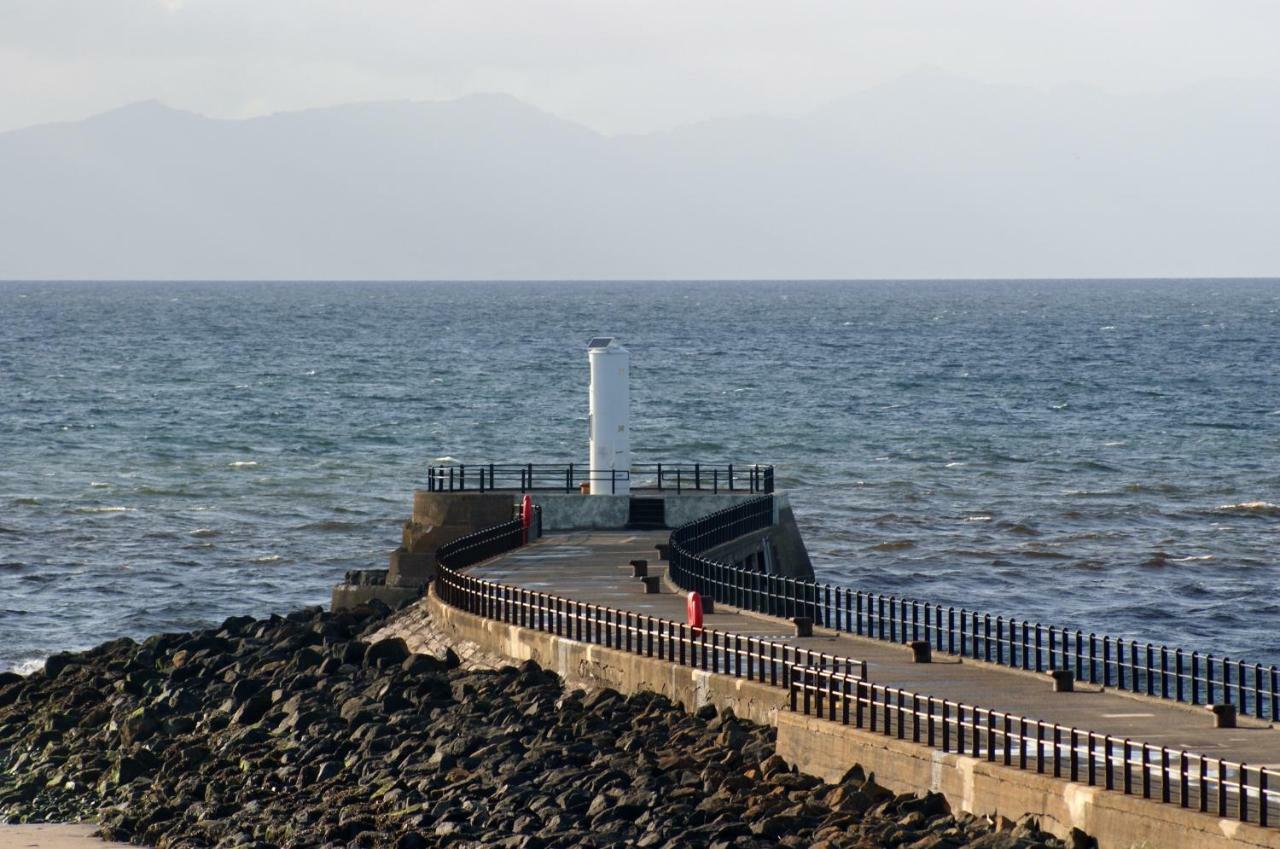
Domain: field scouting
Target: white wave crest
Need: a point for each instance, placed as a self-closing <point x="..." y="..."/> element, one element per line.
<point x="241" y="464"/>
<point x="1265" y="508"/>
<point x="267" y="558"/>
<point x="29" y="665"/>
<point x="106" y="509"/>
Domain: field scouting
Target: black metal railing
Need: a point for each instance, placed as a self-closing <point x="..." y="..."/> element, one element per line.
<point x="1128" y="665"/>
<point x="481" y="545"/>
<point x="691" y="568"/>
<point x="1172" y="776"/>
<point x="754" y="658"/>
<point x="569" y="477"/>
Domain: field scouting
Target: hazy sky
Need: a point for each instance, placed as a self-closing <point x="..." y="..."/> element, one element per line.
<point x="615" y="66"/>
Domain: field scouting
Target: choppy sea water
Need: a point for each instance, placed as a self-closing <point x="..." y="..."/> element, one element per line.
<point x="1100" y="454"/>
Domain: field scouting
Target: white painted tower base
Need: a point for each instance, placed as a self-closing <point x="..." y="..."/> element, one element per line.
<point x="610" y="416"/>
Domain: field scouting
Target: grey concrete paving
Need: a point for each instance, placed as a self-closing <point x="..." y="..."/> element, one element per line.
<point x="593" y="566"/>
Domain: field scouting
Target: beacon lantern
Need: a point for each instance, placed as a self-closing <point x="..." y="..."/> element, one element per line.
<point x="609" y="417"/>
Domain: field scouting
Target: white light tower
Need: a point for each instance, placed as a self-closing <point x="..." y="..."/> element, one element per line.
<point x="610" y="416"/>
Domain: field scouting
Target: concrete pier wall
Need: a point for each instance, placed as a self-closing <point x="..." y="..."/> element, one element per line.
<point x="569" y="511"/>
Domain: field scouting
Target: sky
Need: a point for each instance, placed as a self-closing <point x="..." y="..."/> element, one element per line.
<point x="617" y="67"/>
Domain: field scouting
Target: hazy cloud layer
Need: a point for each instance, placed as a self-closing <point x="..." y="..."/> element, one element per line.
<point x="928" y="176"/>
<point x="614" y="66"/>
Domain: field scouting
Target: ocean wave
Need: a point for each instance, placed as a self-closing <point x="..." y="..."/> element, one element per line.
<point x="27" y="501"/>
<point x="1190" y="558"/>
<point x="204" y="532"/>
<point x="978" y="518"/>
<point x="243" y="464"/>
<point x="28" y="665"/>
<point x="106" y="509"/>
<point x="267" y="558"/>
<point x="1257" y="508"/>
<point x="895" y="545"/>
<point x="329" y="525"/>
<point x="99" y="485"/>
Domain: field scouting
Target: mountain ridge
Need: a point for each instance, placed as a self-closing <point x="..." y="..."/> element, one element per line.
<point x="928" y="176"/>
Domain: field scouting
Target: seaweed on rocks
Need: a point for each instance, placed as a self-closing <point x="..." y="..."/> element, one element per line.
<point x="297" y="731"/>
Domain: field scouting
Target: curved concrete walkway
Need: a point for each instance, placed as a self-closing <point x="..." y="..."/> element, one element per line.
<point x="593" y="567"/>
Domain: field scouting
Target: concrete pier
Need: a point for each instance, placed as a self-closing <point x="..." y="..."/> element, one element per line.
<point x="594" y="567"/>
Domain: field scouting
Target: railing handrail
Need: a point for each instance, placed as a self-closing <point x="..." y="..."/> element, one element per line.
<point x="567" y="477"/>
<point x="1134" y="666"/>
<point x="815" y="692"/>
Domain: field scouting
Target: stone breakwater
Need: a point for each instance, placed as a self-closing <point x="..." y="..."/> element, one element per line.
<point x="298" y="731"/>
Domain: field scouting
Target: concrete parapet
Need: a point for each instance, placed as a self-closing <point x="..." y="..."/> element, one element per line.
<point x="564" y="511"/>
<point x="687" y="507"/>
<point x="461" y="509"/>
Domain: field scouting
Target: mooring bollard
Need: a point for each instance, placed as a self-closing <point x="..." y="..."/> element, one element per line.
<point x="804" y="626"/>
<point x="664" y="551"/>
<point x="1224" y="716"/>
<point x="639" y="568"/>
<point x="921" y="652"/>
<point x="1064" y="680"/>
<point x="708" y="604"/>
<point x="650" y="584"/>
<point x="693" y="607"/>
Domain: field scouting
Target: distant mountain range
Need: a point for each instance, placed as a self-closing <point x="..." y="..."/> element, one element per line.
<point x="928" y="176"/>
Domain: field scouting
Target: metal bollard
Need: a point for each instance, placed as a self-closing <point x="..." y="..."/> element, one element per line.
<point x="804" y="626"/>
<point x="1063" y="680"/>
<point x="921" y="652"/>
<point x="651" y="583"/>
<point x="1224" y="716"/>
<point x="639" y="568"/>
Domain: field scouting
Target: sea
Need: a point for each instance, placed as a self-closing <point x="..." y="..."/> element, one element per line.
<point x="1099" y="454"/>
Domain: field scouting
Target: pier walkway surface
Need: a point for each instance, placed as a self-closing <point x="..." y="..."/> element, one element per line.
<point x="593" y="567"/>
